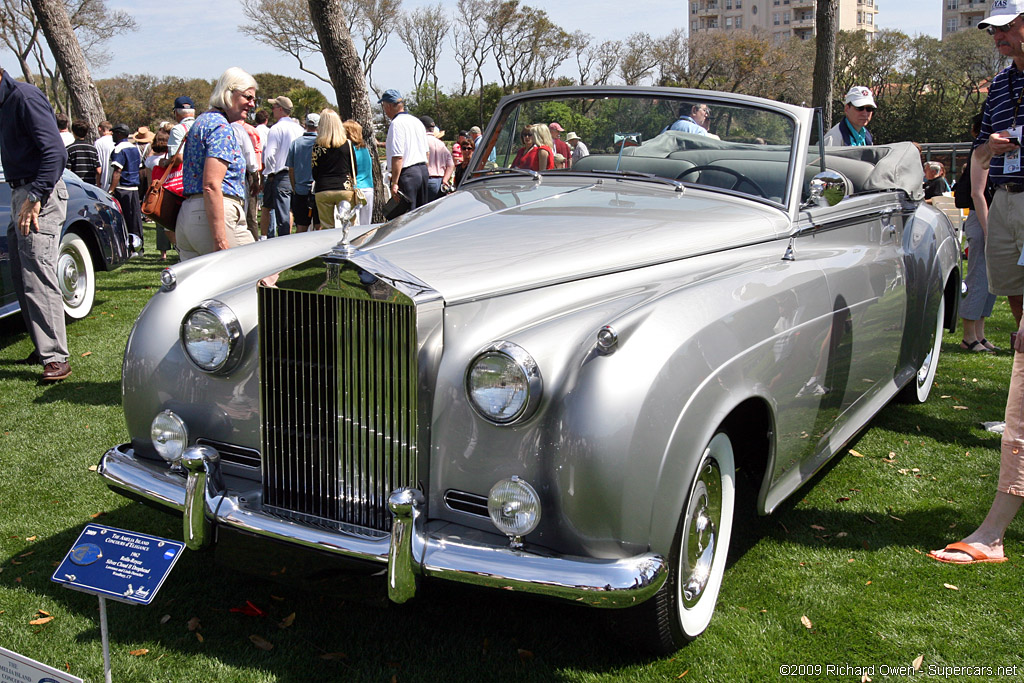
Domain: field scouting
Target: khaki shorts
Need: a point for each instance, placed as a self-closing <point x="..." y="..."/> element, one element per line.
<point x="1004" y="243"/>
<point x="193" y="229"/>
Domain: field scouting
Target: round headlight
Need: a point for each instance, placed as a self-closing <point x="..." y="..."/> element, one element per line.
<point x="169" y="435"/>
<point x="504" y="383"/>
<point x="514" y="507"/>
<point x="212" y="337"/>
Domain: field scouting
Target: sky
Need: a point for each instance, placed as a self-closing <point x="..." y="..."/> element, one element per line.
<point x="201" y="38"/>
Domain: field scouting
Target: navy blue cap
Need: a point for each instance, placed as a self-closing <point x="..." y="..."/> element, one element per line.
<point x="390" y="96"/>
<point x="184" y="102"/>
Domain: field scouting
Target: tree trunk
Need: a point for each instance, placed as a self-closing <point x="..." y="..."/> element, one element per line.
<point x="346" y="74"/>
<point x="824" y="58"/>
<point x="85" y="100"/>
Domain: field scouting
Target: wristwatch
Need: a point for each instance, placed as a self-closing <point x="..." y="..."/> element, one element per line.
<point x="33" y="197"/>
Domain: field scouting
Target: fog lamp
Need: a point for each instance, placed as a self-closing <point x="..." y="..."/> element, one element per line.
<point x="169" y="435"/>
<point x="514" y="507"/>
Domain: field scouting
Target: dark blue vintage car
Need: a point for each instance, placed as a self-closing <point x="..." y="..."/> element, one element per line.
<point x="94" y="238"/>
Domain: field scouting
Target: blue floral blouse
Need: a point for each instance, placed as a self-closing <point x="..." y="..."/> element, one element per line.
<point x="211" y="136"/>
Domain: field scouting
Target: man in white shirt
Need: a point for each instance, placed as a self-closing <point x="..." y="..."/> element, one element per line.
<point x="185" y="113"/>
<point x="277" y="188"/>
<point x="406" y="150"/>
<point x="104" y="146"/>
<point x="62" y="125"/>
<point x="579" y="150"/>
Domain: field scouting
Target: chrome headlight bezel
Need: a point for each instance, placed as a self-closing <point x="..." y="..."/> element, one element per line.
<point x="233" y="337"/>
<point x="517" y="358"/>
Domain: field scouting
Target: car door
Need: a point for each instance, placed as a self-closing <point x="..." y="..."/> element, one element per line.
<point x="858" y="244"/>
<point x="8" y="298"/>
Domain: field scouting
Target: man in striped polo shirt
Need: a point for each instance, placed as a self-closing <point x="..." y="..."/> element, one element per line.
<point x="83" y="160"/>
<point x="997" y="148"/>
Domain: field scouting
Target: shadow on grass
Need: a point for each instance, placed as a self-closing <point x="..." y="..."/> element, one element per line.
<point x="65" y="391"/>
<point x="448" y="632"/>
<point x="907" y="420"/>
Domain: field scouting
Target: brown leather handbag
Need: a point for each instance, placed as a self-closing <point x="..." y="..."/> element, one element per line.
<point x="162" y="205"/>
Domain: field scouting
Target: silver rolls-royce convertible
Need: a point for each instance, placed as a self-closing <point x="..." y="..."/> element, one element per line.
<point x="549" y="380"/>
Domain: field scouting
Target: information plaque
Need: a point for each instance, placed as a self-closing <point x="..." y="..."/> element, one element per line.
<point x="121" y="565"/>
<point x="15" y="668"/>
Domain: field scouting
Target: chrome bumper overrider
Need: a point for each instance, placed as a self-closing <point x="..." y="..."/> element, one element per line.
<point x="409" y="551"/>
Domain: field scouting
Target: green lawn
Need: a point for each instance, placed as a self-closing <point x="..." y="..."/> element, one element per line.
<point x="847" y="555"/>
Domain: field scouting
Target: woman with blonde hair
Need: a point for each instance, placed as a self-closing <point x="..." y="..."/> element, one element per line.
<point x="334" y="167"/>
<point x="213" y="214"/>
<point x="536" y="153"/>
<point x="364" y="176"/>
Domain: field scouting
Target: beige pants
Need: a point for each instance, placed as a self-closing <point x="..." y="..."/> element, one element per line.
<point x="325" y="203"/>
<point x="193" y="228"/>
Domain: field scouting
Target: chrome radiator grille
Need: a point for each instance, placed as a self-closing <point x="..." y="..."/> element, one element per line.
<point x="338" y="384"/>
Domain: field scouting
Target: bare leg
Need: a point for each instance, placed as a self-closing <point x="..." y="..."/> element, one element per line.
<point x="970" y="330"/>
<point x="1016" y="306"/>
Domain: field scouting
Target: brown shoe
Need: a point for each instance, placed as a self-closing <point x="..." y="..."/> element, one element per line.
<point x="56" y="370"/>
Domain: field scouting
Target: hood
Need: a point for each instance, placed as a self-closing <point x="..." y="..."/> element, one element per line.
<point x="509" y="234"/>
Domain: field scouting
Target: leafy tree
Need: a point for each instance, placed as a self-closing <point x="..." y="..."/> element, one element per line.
<point x="374" y="22"/>
<point x="307" y="100"/>
<point x="423" y="31"/>
<point x="286" y="26"/>
<point x="92" y="24"/>
<point x="274" y="85"/>
<point x="346" y="73"/>
<point x="60" y="36"/>
<point x="639" y="58"/>
<point x="596" y="62"/>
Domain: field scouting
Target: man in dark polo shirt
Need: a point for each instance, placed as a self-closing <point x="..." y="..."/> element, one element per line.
<point x="997" y="148"/>
<point x="125" y="161"/>
<point x="34" y="156"/>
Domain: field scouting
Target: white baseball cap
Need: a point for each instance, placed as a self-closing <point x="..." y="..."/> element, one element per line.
<point x="1002" y="13"/>
<point x="859" y="96"/>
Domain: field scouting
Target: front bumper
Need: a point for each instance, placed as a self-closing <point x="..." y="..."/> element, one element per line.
<point x="409" y="552"/>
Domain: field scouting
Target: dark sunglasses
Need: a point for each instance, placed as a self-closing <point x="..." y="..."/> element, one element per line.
<point x="865" y="108"/>
<point x="1004" y="28"/>
<point x="248" y="98"/>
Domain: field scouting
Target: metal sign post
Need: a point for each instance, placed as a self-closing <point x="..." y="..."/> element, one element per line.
<point x="105" y="639"/>
<point x="121" y="565"/>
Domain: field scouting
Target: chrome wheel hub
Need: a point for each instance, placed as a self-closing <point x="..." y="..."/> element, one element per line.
<point x="69" y="277"/>
<point x="703" y="520"/>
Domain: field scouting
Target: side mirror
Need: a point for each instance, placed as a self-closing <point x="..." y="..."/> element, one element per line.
<point x="828" y="188"/>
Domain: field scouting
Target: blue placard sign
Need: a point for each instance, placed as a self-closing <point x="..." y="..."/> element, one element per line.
<point x="118" y="564"/>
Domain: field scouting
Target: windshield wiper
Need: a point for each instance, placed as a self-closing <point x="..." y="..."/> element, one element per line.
<point x="641" y="176"/>
<point x="481" y="172"/>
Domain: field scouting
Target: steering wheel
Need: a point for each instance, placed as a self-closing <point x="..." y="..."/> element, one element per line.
<point x="740" y="178"/>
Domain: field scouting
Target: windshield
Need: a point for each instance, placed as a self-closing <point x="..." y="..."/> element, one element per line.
<point x="701" y="141"/>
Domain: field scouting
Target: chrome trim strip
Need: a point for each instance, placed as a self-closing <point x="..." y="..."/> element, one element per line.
<point x="413" y="552"/>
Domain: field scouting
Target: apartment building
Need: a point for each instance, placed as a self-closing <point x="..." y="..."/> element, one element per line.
<point x="958" y="15"/>
<point x="782" y="18"/>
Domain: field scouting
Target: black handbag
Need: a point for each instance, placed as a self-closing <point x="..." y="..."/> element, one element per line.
<point x="396" y="206"/>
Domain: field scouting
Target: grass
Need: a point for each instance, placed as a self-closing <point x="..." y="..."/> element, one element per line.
<point x="926" y="477"/>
